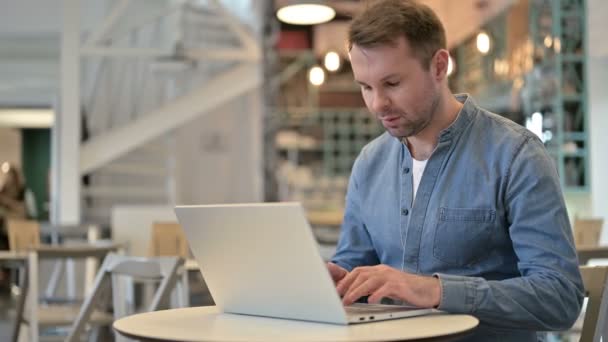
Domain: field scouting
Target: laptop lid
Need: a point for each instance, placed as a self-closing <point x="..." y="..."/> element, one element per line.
<point x="261" y="259"/>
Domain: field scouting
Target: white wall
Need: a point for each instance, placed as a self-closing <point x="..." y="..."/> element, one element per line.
<point x="220" y="155"/>
<point x="597" y="73"/>
<point x="219" y="158"/>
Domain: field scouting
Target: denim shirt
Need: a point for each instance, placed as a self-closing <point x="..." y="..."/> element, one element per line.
<point x="488" y="219"/>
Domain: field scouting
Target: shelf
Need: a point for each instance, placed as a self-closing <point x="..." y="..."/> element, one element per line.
<point x="572" y="98"/>
<point x="579" y="154"/>
<point x="575" y="136"/>
<point x="570" y="57"/>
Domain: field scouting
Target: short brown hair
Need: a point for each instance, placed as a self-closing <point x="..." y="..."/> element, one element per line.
<point x="384" y="21"/>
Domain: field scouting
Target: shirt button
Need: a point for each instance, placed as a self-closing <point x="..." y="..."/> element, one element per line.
<point x="405" y="212"/>
<point x="406" y="170"/>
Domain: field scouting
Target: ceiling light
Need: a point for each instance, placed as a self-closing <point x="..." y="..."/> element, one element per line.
<point x="332" y="61"/>
<point x="483" y="42"/>
<point x="557" y="45"/>
<point x="305" y="13"/>
<point x="316" y="75"/>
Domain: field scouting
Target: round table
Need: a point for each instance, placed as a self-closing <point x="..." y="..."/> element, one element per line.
<point x="209" y="324"/>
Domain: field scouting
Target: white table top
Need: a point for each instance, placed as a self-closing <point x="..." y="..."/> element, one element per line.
<point x="208" y="324"/>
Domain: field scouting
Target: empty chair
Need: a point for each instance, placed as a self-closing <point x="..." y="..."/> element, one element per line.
<point x="23" y="235"/>
<point x="587" y="232"/>
<point x="168" y="239"/>
<point x="160" y="269"/>
<point x="38" y="316"/>
<point x="595" y="326"/>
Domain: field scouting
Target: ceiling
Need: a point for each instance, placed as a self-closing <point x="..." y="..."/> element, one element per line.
<point x="29" y="49"/>
<point x="30" y="39"/>
<point x="461" y="19"/>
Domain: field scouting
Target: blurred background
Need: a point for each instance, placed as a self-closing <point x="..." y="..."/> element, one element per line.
<point x="113" y="111"/>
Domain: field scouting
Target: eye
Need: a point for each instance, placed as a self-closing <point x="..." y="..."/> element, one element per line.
<point x="366" y="87"/>
<point x="392" y="84"/>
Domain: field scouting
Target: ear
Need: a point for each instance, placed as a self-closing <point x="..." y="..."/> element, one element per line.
<point x="439" y="64"/>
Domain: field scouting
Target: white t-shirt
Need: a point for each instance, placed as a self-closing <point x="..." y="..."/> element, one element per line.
<point x="417" y="171"/>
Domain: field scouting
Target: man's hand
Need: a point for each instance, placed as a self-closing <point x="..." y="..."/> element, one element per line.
<point x="337" y="273"/>
<point x="384" y="281"/>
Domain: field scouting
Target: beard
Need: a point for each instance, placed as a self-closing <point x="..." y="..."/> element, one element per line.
<point x="409" y="127"/>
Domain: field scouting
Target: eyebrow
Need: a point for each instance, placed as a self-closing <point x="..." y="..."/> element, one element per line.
<point x="381" y="80"/>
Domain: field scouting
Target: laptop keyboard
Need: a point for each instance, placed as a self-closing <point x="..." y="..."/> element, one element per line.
<point x="362" y="309"/>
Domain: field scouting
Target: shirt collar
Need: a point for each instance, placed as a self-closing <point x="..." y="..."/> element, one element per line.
<point x="466" y="114"/>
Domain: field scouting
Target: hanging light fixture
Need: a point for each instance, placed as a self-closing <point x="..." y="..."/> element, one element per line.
<point x="483" y="42"/>
<point x="305" y="12"/>
<point x="316" y="75"/>
<point x="332" y="61"/>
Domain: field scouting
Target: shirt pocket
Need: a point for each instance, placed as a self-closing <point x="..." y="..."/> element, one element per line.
<point x="463" y="235"/>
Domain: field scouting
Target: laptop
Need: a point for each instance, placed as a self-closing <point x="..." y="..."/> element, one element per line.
<point x="262" y="259"/>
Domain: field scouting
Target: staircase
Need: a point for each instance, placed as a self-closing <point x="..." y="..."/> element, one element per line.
<point x="150" y="68"/>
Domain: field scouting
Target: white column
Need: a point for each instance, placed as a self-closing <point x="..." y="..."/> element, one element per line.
<point x="255" y="110"/>
<point x="66" y="131"/>
<point x="597" y="83"/>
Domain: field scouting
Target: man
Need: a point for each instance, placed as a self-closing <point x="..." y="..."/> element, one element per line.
<point x="453" y="207"/>
<point x="12" y="206"/>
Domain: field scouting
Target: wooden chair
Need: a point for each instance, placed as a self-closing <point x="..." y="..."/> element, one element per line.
<point x="38" y="316"/>
<point x="168" y="239"/>
<point x="595" y="326"/>
<point x="23" y="235"/>
<point x="162" y="269"/>
<point x="587" y="232"/>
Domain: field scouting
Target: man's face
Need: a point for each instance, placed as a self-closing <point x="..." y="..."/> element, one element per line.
<point x="395" y="87"/>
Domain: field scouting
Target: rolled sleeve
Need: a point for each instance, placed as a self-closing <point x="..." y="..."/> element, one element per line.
<point x="457" y="293"/>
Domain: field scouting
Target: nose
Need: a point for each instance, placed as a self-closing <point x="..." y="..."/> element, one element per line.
<point x="380" y="102"/>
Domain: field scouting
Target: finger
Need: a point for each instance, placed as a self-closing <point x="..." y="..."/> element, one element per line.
<point x="336" y="272"/>
<point x="362" y="277"/>
<point x="376" y="296"/>
<point x="364" y="289"/>
<point x="346" y="282"/>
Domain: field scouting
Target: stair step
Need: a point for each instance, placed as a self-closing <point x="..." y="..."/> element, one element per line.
<point x="134" y="169"/>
